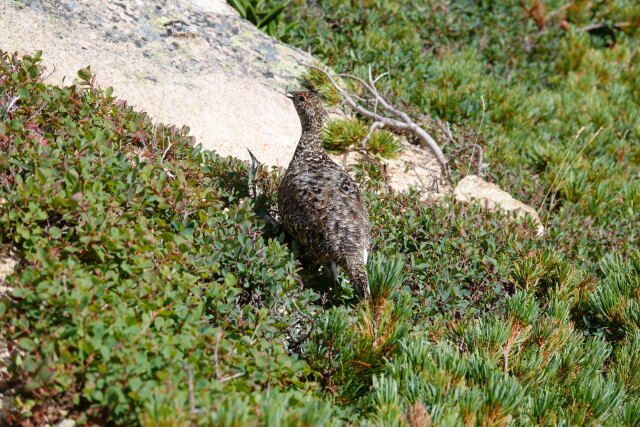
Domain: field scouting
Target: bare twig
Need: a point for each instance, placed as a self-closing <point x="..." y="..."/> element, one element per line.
<point x="168" y="172"/>
<point x="309" y="319"/>
<point x="403" y="121"/>
<point x="380" y="76"/>
<point x="12" y="103"/>
<point x="192" y="394"/>
<point x="373" y="127"/>
<point x="216" y="354"/>
<point x="352" y="77"/>
<point x="446" y="129"/>
<point x="43" y="79"/>
<point x="475" y="143"/>
<point x="359" y="98"/>
<point x="599" y="25"/>
<point x="484" y="109"/>
<point x="480" y="155"/>
<point x="231" y="377"/>
<point x="166" y="151"/>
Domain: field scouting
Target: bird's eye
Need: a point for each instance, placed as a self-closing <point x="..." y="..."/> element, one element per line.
<point x="302" y="98"/>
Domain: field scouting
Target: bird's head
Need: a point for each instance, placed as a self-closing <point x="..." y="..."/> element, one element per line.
<point x="308" y="106"/>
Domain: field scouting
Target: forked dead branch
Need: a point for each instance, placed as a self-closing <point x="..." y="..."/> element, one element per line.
<point x="402" y="122"/>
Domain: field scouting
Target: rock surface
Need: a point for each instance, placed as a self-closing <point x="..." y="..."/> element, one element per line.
<point x="493" y="198"/>
<point x="7" y="266"/>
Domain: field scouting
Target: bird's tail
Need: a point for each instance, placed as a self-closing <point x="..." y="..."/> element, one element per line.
<point x="358" y="275"/>
<point x="267" y="214"/>
<point x="252" y="175"/>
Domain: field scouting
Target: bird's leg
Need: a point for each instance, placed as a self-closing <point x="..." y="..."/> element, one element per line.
<point x="334" y="272"/>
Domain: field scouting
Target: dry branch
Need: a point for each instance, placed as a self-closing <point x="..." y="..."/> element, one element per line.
<point x="373" y="127"/>
<point x="618" y="25"/>
<point x="403" y="121"/>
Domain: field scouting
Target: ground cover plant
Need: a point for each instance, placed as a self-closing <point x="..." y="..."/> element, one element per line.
<point x="149" y="290"/>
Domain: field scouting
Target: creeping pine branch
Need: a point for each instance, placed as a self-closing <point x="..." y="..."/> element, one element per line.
<point x="402" y="122"/>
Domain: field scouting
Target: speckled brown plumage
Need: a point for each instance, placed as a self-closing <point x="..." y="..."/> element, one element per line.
<point x="320" y="205"/>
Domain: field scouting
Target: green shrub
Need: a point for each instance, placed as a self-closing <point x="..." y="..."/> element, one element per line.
<point x="340" y="134"/>
<point x="384" y="144"/>
<point x="142" y="275"/>
<point x="614" y="305"/>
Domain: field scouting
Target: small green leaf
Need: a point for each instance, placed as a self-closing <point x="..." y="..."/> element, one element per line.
<point x="85" y="74"/>
<point x="23" y="93"/>
<point x="271" y="16"/>
<point x="237" y="5"/>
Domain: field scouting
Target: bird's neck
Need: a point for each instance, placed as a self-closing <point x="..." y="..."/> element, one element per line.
<point x="311" y="139"/>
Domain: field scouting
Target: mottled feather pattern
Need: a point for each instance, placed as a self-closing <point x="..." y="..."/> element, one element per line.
<point x="320" y="204"/>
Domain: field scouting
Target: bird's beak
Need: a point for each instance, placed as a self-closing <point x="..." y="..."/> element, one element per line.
<point x="289" y="95"/>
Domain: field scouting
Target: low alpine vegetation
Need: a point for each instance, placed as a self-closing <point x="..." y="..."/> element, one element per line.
<point x="150" y="292"/>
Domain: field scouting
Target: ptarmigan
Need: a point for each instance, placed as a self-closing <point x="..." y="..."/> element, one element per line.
<point x="320" y="205"/>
